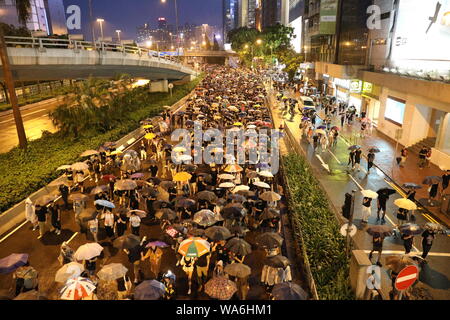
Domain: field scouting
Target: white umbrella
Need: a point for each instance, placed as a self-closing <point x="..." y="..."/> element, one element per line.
<point x="64" y="167"/>
<point x="233" y="108"/>
<point x="76" y="289"/>
<point x="266" y="174"/>
<point x="226" y="176"/>
<point x="226" y="185"/>
<point x="79" y="166"/>
<point x="112" y="271"/>
<point x="261" y="184"/>
<point x="88" y="153"/>
<point x="184" y="157"/>
<point x="241" y="188"/>
<point x="405" y="204"/>
<point x="179" y="149"/>
<point x="88" y="251"/>
<point x="68" y="271"/>
<point x="369" y="194"/>
<point x="251" y="126"/>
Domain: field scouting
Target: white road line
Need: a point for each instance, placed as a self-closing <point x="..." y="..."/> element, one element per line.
<point x="10" y="120"/>
<point x="435" y="254"/>
<point x="17" y="228"/>
<point x="71" y="238"/>
<point x="334" y="156"/>
<point x="348" y="144"/>
<point x="356" y="182"/>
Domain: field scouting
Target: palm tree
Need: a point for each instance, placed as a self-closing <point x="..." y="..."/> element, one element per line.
<point x="23" y="12"/>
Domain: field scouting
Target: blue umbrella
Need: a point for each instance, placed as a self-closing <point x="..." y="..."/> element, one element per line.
<point x="305" y="118"/>
<point x="321" y="127"/>
<point x="12" y="262"/>
<point x="105" y="203"/>
<point x="149" y="290"/>
<point x="262" y="165"/>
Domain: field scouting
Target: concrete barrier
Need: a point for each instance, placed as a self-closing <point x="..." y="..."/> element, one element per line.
<point x="16" y="215"/>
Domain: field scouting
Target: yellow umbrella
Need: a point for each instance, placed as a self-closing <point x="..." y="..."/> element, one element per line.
<point x="182" y="176"/>
<point x="148" y="126"/>
<point x="233" y="168"/>
<point x="257" y="106"/>
<point x="150" y="136"/>
<point x="217" y="117"/>
<point x="239" y="124"/>
<point x="116" y="152"/>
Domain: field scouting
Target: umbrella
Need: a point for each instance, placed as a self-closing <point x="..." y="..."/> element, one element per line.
<point x="128" y="241"/>
<point x="182" y="176"/>
<point x="78" y="197"/>
<point x="405" y="204"/>
<point x="269" y="240"/>
<point x="100" y="189"/>
<point x="183" y="157"/>
<point x="87" y="214"/>
<point x="386" y="191"/>
<point x="397" y="263"/>
<point x="220" y="288"/>
<point x="194" y="247"/>
<point x="166" y="214"/>
<point x="369" y="194"/>
<point x="184" y="203"/>
<point x="432" y="180"/>
<point x="335" y="128"/>
<point x="132" y="153"/>
<point x="226" y="176"/>
<point x="79" y="166"/>
<point x="238" y="124"/>
<point x="179" y="149"/>
<point x="239" y="270"/>
<point x="89" y="153"/>
<point x="266" y="174"/>
<point x="149" y="290"/>
<point x="237" y="197"/>
<point x="252" y="174"/>
<point x="411" y="185"/>
<point x="241" y="188"/>
<point x="12" y="262"/>
<point x="261" y="184"/>
<point x="217" y="233"/>
<point x="288" y="291"/>
<point x="277" y="261"/>
<point x="436" y="227"/>
<point x="104" y="203"/>
<point x="109" y="144"/>
<point x="150" y="136"/>
<point x="239" y="246"/>
<point x="125" y="184"/>
<point x="238" y="230"/>
<point x="196" y="232"/>
<point x="233" y="168"/>
<point x="205" y="218"/>
<point x="88" y="251"/>
<point x="354" y="147"/>
<point x="189" y="167"/>
<point x="68" y="271"/>
<point x="140" y="213"/>
<point x="137" y="175"/>
<point x="115" y="153"/>
<point x="147" y="126"/>
<point x="45" y="200"/>
<point x="160" y="204"/>
<point x="233" y="210"/>
<point x="76" y="289"/>
<point x="167" y="184"/>
<point x="112" y="271"/>
<point x="410" y="229"/>
<point x="108" y="177"/>
<point x="64" y="167"/>
<point x="30" y="295"/>
<point x="270" y="196"/>
<point x="226" y="185"/>
<point x="57" y="183"/>
<point x="380" y="230"/>
<point x="374" y="149"/>
<point x="321" y="131"/>
<point x="159" y="244"/>
<point x="269" y="214"/>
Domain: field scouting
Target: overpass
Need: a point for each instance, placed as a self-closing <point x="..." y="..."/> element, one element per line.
<point x="208" y="56"/>
<point x="53" y="59"/>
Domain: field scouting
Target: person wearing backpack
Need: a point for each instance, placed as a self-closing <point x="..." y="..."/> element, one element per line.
<point x="26" y="279"/>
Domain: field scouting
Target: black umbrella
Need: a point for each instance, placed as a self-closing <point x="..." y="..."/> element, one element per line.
<point x="386" y="191"/>
<point x="160" y="204"/>
<point x="127" y="241"/>
<point x="410" y="229"/>
<point x="237" y="197"/>
<point x="148" y="192"/>
<point x="277" y="261"/>
<point x="354" y="147"/>
<point x="206" y="177"/>
<point x="269" y="240"/>
<point x="239" y="246"/>
<point x="239" y="230"/>
<point x="166" y="214"/>
<point x="167" y="184"/>
<point x="218" y="233"/>
<point x="100" y="189"/>
<point x="380" y="230"/>
<point x="206" y="195"/>
<point x="189" y="168"/>
<point x="156" y="181"/>
<point x="374" y="149"/>
<point x="232" y="212"/>
<point x="289" y="291"/>
<point x="184" y="203"/>
<point x="196" y="232"/>
<point x="269" y="214"/>
<point x="432" y="180"/>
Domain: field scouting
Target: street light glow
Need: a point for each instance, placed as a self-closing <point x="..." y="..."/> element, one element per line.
<point x="149" y="44"/>
<point x="100" y="20"/>
<point x="259" y="41"/>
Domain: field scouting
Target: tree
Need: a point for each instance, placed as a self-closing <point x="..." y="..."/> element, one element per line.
<point x="292" y="61"/>
<point x="241" y="36"/>
<point x="278" y="37"/>
<point x="23" y="12"/>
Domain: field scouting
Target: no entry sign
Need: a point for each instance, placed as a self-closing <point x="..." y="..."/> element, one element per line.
<point x="406" y="278"/>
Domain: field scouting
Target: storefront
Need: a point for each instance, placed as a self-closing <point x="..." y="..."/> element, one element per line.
<point x="371" y="101"/>
<point x="341" y="89"/>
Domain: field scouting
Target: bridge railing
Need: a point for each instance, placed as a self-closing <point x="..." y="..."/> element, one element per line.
<point x="43" y="43"/>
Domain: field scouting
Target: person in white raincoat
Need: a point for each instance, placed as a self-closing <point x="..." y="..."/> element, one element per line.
<point x="29" y="213"/>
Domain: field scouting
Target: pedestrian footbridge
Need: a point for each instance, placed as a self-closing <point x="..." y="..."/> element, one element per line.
<point x="54" y="59"/>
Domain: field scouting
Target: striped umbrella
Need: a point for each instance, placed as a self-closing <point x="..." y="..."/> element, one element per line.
<point x="194" y="247"/>
<point x="76" y="289"/>
<point x="220" y="288"/>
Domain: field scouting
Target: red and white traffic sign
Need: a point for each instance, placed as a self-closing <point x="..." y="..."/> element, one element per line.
<point x="406" y="278"/>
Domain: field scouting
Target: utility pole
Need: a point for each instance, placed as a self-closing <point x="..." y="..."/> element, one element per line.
<point x="350" y="221"/>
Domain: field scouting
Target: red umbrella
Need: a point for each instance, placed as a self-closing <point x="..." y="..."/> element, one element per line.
<point x="108" y="177"/>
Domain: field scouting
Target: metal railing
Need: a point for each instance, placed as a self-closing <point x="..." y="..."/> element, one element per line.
<point x="49" y="43"/>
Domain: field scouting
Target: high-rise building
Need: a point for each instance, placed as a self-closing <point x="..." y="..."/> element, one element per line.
<point x="162" y="23"/>
<point x="230" y="16"/>
<point x="274" y="11"/>
<point x="56" y="16"/>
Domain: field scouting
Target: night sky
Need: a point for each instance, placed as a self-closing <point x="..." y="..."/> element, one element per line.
<point x="126" y="15"/>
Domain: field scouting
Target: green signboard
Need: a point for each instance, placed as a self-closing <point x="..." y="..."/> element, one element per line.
<point x="328" y="13"/>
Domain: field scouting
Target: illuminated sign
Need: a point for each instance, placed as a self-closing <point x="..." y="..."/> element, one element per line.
<point x="355" y="86"/>
<point x="367" y="87"/>
<point x="422" y="37"/>
<point x="328" y="12"/>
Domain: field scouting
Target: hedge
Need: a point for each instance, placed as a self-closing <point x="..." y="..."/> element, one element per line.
<point x="24" y="172"/>
<point x="325" y="246"/>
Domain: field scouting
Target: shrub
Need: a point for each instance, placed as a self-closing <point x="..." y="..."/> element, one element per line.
<point x="325" y="246"/>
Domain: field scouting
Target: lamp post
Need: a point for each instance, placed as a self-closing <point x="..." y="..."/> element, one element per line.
<point x="118" y="34"/>
<point x="100" y="21"/>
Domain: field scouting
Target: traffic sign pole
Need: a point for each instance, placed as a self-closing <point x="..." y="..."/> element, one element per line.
<point x="350" y="220"/>
<point x="406" y="279"/>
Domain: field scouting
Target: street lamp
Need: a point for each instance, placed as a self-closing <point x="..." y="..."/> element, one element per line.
<point x="118" y="34"/>
<point x="100" y="21"/>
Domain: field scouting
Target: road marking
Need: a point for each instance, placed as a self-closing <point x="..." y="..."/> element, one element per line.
<point x="436" y="254"/>
<point x="345" y="141"/>
<point x="399" y="191"/>
<point x="359" y="186"/>
<point x="334" y="156"/>
<point x="17" y="228"/>
<point x="71" y="238"/>
<point x="10" y="120"/>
